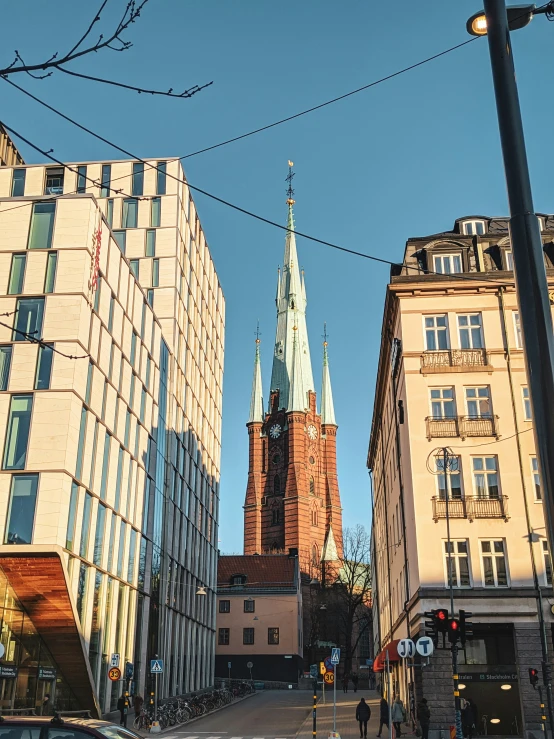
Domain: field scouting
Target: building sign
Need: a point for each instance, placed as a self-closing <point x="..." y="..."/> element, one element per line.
<point x="47" y="673"/>
<point x="8" y="671"/>
<point x="488" y="677"/>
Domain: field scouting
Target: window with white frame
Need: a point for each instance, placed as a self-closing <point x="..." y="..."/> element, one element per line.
<point x="547" y="563"/>
<point x="452" y="481"/>
<point x="493" y="560"/>
<point x="485" y="476"/>
<point x="473" y="228"/>
<point x="436" y="333"/>
<point x="456" y="559"/>
<point x="442" y="402"/>
<point x="527" y="415"/>
<point x="471" y="331"/>
<point x="478" y="402"/>
<point x="509" y="260"/>
<point x="517" y="330"/>
<point x="536" y="478"/>
<point x="447" y="264"/>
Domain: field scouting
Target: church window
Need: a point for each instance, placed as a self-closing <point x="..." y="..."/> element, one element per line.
<point x="277" y="485"/>
<point x="276" y="459"/>
<point x="312" y="460"/>
<point x="312" y="486"/>
<point x="315" y="556"/>
<point x="314" y="517"/>
<point x="275" y="516"/>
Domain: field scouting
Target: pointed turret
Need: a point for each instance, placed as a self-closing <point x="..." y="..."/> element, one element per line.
<point x="327" y="407"/>
<point x="298" y="398"/>
<point x="256" y="400"/>
<point x="330" y="551"/>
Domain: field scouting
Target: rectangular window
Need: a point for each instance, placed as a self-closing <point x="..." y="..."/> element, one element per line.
<point x="155" y="272"/>
<point x="156" y="212"/>
<point x="453" y="481"/>
<point x="85" y="528"/>
<point x="99" y="535"/>
<point x="225" y="606"/>
<point x="130" y="213"/>
<point x="72" y="517"/>
<point x="436" y="333"/>
<point x="81" y="444"/>
<point x="473" y="228"/>
<point x="42" y="226"/>
<point x="106" y="179"/>
<point x="28" y="319"/>
<point x="21" y="509"/>
<point x="150" y="296"/>
<point x="122" y="531"/>
<point x="478" y="402"/>
<point x="161" y="178"/>
<point x="5" y="364"/>
<point x="137" y="179"/>
<point x="131" y="560"/>
<point x="54" y="181"/>
<point x="223" y="637"/>
<point x="133" y="354"/>
<point x="88" y="390"/>
<point x="150" y="243"/>
<point x="17" y="433"/>
<point x="110" y="314"/>
<point x="250" y="605"/>
<point x="248" y="636"/>
<point x="547" y="563"/>
<point x="457" y="562"/>
<point x="471" y="334"/>
<point x="273" y="636"/>
<point x="43" y="372"/>
<point x="517" y="330"/>
<point x="134" y="265"/>
<point x="442" y="402"/>
<point x="119" y="478"/>
<point x="17" y="274"/>
<point x="536" y="478"/>
<point x="527" y="415"/>
<point x="18" y="183"/>
<point x="447" y="264"/>
<point x="111" y="543"/>
<point x="127" y="428"/>
<point x="50" y="275"/>
<point x="81" y="178"/>
<point x="82" y="590"/>
<point x="109" y="212"/>
<point x="493" y="558"/>
<point x="121" y="238"/>
<point x="485" y="477"/>
<point x="509" y="259"/>
<point x="97" y="293"/>
<point x="142" y="405"/>
<point x="105" y="466"/>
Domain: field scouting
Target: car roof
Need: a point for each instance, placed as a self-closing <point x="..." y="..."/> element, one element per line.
<point x="90" y="723"/>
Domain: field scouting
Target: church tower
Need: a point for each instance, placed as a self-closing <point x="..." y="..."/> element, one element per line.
<point x="292" y="495"/>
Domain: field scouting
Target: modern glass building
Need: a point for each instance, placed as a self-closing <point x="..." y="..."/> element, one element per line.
<point x="111" y="364"/>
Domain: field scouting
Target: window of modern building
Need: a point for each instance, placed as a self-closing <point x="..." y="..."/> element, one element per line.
<point x="223" y="637"/>
<point x="249" y="605"/>
<point x="527" y="414"/>
<point x="473" y="228"/>
<point x="97" y="293"/>
<point x="121" y="238"/>
<point x="137" y="184"/>
<point x="82" y="590"/>
<point x="5" y="365"/>
<point x="273" y="635"/>
<point x="161" y="177"/>
<point x="471" y="331"/>
<point x="72" y="517"/>
<point x="109" y="212"/>
<point x="493" y="559"/>
<point x="82" y="178"/>
<point x="447" y="264"/>
<point x="106" y="180"/>
<point x="85" y="526"/>
<point x="99" y="535"/>
<point x="21" y="509"/>
<point x="111" y="312"/>
<point x="150" y="296"/>
<point x="18" y="183"/>
<point x="142" y="404"/>
<point x="134" y="265"/>
<point x="132" y="555"/>
<point x="536" y="478"/>
<point x="150" y="242"/>
<point x="248" y="635"/>
<point x="17" y="433"/>
<point x="485" y="477"/>
<point x="42" y="226"/>
<point x="225" y="606"/>
<point x="436" y="333"/>
<point x="517" y="330"/>
<point x="130" y="213"/>
<point x="81" y="444"/>
<point x="442" y="402"/>
<point x="478" y="402"/>
<point x="43" y="372"/>
<point x="133" y="354"/>
<point x="54" y="181"/>
<point x="17" y="274"/>
<point x="155" y="212"/>
<point x="547" y="563"/>
<point x="453" y="481"/>
<point x="105" y="466"/>
<point x="88" y="389"/>
<point x="509" y="260"/>
<point x="121" y="548"/>
<point x="50" y="274"/>
<point x="155" y="273"/>
<point x="457" y="562"/>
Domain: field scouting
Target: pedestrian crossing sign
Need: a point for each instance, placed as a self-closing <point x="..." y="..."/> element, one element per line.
<point x="156" y="666"/>
<point x="335" y="655"/>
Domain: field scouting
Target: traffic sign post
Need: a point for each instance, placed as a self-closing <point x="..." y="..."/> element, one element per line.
<point x="156" y="668"/>
<point x="114" y="673"/>
<point x="250" y="665"/>
<point x="335" y="659"/>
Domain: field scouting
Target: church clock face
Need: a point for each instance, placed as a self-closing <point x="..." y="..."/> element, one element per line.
<point x="275" y="431"/>
<point x="312" y="432"/>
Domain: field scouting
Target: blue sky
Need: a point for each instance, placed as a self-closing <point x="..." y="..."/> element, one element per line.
<point x="402" y="159"/>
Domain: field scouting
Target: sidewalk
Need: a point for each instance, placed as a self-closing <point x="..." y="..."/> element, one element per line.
<point x="347" y="726"/>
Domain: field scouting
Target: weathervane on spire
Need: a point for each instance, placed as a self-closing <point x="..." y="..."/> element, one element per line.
<point x="258" y="333"/>
<point x="324" y="337"/>
<point x="290" y="191"/>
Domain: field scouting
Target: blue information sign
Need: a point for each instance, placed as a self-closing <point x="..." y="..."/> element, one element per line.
<point x="335" y="655"/>
<point x="156" y="665"/>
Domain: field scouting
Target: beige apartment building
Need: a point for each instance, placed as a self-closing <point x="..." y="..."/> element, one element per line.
<point x="452" y="374"/>
<point x="111" y="365"/>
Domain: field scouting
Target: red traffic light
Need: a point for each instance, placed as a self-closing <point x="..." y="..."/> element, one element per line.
<point x="442" y="614"/>
<point x="454" y="625"/>
<point x="533" y="676"/>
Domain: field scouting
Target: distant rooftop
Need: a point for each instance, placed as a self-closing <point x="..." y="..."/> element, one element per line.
<point x="9" y="155"/>
<point x="253" y="571"/>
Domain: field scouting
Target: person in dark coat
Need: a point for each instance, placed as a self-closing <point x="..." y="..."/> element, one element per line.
<point x="138" y="702"/>
<point x="123" y="708"/>
<point x="363" y="714"/>
<point x="355" y="680"/>
<point x="469" y="718"/>
<point x="46" y="705"/>
<point x="345" y="683"/>
<point x="383" y="715"/>
<point x="424" y="717"/>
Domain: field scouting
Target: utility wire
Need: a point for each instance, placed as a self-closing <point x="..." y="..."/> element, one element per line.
<point x="40" y="342"/>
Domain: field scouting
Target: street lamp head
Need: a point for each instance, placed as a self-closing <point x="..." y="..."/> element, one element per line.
<point x="201" y="591"/>
<point x="518" y="17"/>
<point x="477" y="24"/>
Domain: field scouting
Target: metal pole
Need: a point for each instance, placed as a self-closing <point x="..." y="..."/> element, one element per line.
<point x="543" y="717"/>
<point x="334" y="697"/>
<point x="156" y="698"/>
<point x="530" y="272"/>
<point x="314" y="723"/>
<point x="389" y="702"/>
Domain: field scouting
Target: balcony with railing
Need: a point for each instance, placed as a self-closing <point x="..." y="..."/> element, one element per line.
<point x="471" y="507"/>
<point x="462" y="426"/>
<point x="455" y="360"/>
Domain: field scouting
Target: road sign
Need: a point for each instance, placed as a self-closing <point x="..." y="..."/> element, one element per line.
<point x="250" y="665"/>
<point x="406" y="648"/>
<point x="114" y="673"/>
<point x="335" y="656"/>
<point x="156" y="666"/>
<point x="322" y="668"/>
<point x="425" y="646"/>
<point x="313" y="672"/>
<point x="228" y="665"/>
<point x="329" y="678"/>
<point x="114" y="662"/>
<point x="129" y="670"/>
<point x="328" y="664"/>
<point x="47" y="673"/>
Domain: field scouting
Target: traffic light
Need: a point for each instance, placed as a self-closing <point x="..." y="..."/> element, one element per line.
<point x="441" y="616"/>
<point x="466" y="627"/>
<point x="546" y="673"/>
<point x="453" y="630"/>
<point x="533" y="676"/>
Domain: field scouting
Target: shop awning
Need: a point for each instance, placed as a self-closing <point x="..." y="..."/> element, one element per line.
<point x="381" y="659"/>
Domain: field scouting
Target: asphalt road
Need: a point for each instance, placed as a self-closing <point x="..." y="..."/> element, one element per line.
<point x="270" y="714"/>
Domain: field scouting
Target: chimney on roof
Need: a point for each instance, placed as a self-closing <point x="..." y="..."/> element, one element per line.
<point x="293" y="552"/>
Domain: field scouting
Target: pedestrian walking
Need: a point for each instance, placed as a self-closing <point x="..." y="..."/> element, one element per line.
<point x="138" y="702"/>
<point x="46" y="705"/>
<point x="355" y="679"/>
<point x="345" y="684"/>
<point x="424" y="717"/>
<point x="469" y="718"/>
<point x="123" y="708"/>
<point x="398" y="715"/>
<point x="383" y="715"/>
<point x="363" y="714"/>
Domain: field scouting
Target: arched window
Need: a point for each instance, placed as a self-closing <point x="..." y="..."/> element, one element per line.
<point x="277" y="485"/>
<point x="314" y="517"/>
<point x="315" y="556"/>
<point x="275" y="516"/>
<point x="312" y="486"/>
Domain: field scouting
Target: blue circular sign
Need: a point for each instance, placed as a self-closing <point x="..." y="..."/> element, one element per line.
<point x="328" y="664"/>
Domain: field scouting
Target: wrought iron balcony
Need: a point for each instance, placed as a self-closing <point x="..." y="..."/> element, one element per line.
<point x="462" y="426"/>
<point x="471" y="507"/>
<point x="455" y="360"/>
